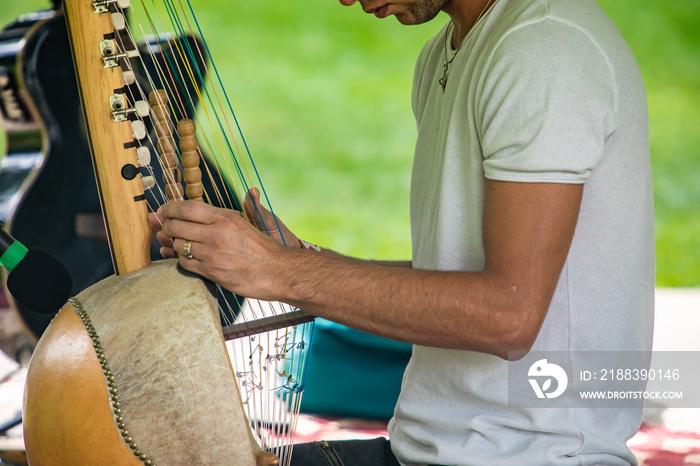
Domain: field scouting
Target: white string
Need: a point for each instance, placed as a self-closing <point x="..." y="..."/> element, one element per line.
<point x="267" y="373"/>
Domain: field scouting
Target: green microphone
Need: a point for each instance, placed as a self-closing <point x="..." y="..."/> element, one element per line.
<point x="36" y="279"/>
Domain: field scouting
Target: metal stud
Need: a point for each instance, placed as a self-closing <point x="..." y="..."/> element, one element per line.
<point x="110" y="380"/>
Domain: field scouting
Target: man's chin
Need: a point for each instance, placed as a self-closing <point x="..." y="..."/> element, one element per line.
<point x="408" y="18"/>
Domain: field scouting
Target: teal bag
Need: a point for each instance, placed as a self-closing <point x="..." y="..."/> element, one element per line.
<point x="351" y="373"/>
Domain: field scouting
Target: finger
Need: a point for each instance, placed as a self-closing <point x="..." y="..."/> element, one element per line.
<point x="155" y="221"/>
<point x="252" y="207"/>
<point x="259" y="216"/>
<point x="192" y="264"/>
<point x="179" y="248"/>
<point x="167" y="252"/>
<point x="164" y="239"/>
<point x="191" y="211"/>
<point x="255" y="193"/>
<point x="188" y="230"/>
<point x="252" y="197"/>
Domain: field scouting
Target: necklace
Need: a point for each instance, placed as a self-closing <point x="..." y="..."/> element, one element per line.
<point x="446" y="66"/>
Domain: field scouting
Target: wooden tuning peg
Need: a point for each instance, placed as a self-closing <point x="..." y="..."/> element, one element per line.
<point x="166" y="144"/>
<point x="189" y="152"/>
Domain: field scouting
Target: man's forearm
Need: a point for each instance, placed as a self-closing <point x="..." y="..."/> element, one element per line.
<point x="527" y="231"/>
<point x="460" y="310"/>
<point x="385" y="263"/>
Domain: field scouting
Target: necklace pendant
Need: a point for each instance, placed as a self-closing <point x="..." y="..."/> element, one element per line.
<point x="443" y="80"/>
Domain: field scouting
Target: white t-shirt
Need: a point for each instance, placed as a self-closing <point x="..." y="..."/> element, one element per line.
<point x="540" y="91"/>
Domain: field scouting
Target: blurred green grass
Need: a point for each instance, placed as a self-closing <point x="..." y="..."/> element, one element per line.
<point x="323" y="95"/>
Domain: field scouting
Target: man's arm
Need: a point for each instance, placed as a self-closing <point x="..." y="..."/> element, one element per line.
<point x="383" y="263"/>
<point x="527" y="231"/>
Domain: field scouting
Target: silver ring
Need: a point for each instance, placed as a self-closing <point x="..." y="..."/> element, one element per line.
<point x="187" y="249"/>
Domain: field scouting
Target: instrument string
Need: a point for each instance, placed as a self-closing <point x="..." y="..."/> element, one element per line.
<point x="177" y="26"/>
<point x="174" y="87"/>
<point x="158" y="122"/>
<point x="206" y="73"/>
<point x="271" y="377"/>
<point x="161" y="72"/>
<point x="183" y="87"/>
<point x="215" y="186"/>
<point x="175" y="90"/>
<point x="240" y="131"/>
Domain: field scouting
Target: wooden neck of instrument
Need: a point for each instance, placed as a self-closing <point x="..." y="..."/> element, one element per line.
<point x="113" y="151"/>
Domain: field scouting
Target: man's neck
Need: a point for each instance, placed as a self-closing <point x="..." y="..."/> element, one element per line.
<point x="465" y="14"/>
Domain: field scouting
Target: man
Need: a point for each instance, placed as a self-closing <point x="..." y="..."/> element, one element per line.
<point x="532" y="229"/>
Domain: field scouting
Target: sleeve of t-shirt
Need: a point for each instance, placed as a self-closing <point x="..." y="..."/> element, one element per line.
<point x="547" y="105"/>
<point x="421" y="89"/>
<point x="418" y="73"/>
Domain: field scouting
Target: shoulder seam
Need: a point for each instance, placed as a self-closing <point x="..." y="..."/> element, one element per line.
<point x="594" y="43"/>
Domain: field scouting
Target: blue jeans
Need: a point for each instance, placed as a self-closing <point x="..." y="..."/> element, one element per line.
<point x="375" y="452"/>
